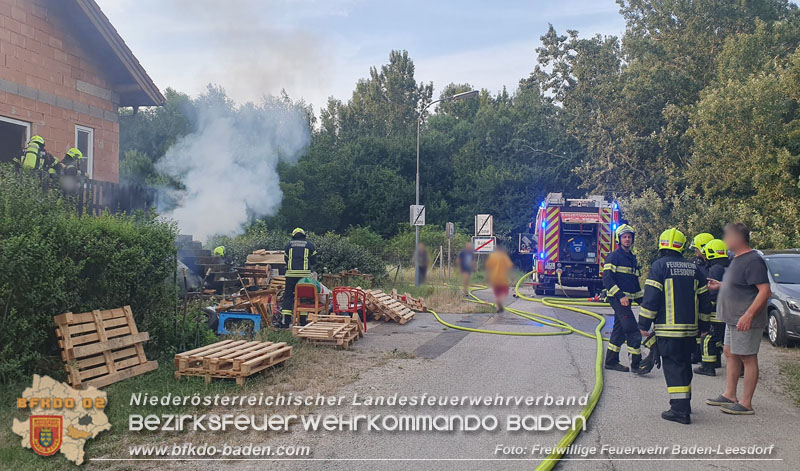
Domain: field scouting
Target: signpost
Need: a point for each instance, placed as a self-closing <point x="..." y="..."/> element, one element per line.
<point x="449" y="232"/>
<point x="484" y="225"/>
<point x="483" y="244"/>
<point x="417" y="215"/>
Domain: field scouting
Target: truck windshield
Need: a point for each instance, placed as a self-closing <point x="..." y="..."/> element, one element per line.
<point x="784" y="269"/>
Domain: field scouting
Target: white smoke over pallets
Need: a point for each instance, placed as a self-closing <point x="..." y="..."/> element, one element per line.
<point x="228" y="165"/>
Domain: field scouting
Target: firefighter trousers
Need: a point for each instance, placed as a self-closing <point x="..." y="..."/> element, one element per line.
<point x="676" y="359"/>
<point x="712" y="344"/>
<point x="625" y="330"/>
<point x="287" y="307"/>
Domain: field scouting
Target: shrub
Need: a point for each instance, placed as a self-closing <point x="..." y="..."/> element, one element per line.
<point x="55" y="261"/>
<point x="336" y="252"/>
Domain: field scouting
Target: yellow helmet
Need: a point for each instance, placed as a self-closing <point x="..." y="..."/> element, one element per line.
<point x="700" y="240"/>
<point x="75" y="153"/>
<point x="672" y="239"/>
<point x="38" y="139"/>
<point x="220" y="251"/>
<point x="298" y="231"/>
<point x="715" y="249"/>
<point x="623" y="229"/>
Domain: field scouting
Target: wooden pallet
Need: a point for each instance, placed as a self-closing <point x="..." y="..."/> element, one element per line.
<point x="101" y="347"/>
<point x="228" y="359"/>
<point x="337" y="331"/>
<point x="383" y="306"/>
<point x="415" y="304"/>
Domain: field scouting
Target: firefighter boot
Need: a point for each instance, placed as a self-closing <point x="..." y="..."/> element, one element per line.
<point x="636" y="361"/>
<point x="673" y="416"/>
<point x="706" y="369"/>
<point x="612" y="362"/>
<point x="652" y="359"/>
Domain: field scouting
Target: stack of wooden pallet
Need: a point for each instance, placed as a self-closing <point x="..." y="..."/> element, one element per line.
<point x="101" y="347"/>
<point x="236" y="359"/>
<point x="415" y="304"/>
<point x="383" y="306"/>
<point x="261" y="302"/>
<point x="337" y="331"/>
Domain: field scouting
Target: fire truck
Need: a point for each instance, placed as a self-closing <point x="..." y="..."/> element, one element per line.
<point x="573" y="237"/>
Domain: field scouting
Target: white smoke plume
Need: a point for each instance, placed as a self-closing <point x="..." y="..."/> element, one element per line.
<point x="228" y="165"/>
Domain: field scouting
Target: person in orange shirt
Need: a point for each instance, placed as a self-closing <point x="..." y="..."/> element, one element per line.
<point x="498" y="268"/>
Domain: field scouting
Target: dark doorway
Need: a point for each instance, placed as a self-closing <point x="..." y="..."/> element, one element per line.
<point x="13" y="137"/>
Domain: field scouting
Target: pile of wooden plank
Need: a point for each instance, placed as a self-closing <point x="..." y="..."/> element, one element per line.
<point x="101" y="347"/>
<point x="337" y="331"/>
<point x="415" y="304"/>
<point x="231" y="359"/>
<point x="261" y="302"/>
<point x="383" y="306"/>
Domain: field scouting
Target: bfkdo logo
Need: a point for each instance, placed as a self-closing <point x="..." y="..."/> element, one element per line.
<point x="46" y="433"/>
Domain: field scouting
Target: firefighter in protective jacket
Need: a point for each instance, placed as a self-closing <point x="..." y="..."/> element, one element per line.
<point x="621" y="283"/>
<point x="717" y="256"/>
<point x="300" y="255"/>
<point x="674" y="292"/>
<point x="698" y="244"/>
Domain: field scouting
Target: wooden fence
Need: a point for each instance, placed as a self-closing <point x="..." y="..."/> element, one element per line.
<point x="93" y="197"/>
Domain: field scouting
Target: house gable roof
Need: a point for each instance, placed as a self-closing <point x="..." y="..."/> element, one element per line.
<point x="131" y="82"/>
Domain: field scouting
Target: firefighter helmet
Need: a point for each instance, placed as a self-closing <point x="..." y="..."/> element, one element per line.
<point x="38" y="139"/>
<point x="715" y="249"/>
<point x="75" y="153"/>
<point x="220" y="251"/>
<point x="623" y="229"/>
<point x="700" y="240"/>
<point x="298" y="231"/>
<point x="672" y="239"/>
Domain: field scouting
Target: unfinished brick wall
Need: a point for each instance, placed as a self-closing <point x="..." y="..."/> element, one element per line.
<point x="42" y="66"/>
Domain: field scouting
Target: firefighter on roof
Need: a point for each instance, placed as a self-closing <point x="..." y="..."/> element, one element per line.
<point x="300" y="255"/>
<point x="717" y="256"/>
<point x="674" y="292"/>
<point x="621" y="282"/>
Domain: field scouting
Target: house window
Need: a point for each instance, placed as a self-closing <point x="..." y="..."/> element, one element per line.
<point x="84" y="141"/>
<point x="14" y="136"/>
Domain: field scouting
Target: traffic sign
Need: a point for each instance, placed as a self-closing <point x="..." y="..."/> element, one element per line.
<point x="483" y="225"/>
<point x="417" y="215"/>
<point x="483" y="244"/>
<point x="450" y="230"/>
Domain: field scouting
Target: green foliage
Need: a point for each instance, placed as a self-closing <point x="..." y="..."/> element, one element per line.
<point x="335" y="252"/>
<point x="54" y="261"/>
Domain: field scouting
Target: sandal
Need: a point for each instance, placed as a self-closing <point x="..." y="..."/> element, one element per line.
<point x="736" y="409"/>
<point x="719" y="401"/>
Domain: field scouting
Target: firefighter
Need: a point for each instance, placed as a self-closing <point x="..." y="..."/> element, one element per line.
<point x="621" y="282"/>
<point x="300" y="255"/>
<point x="219" y="251"/>
<point x="674" y="291"/>
<point x="698" y="244"/>
<point x="70" y="164"/>
<point x="717" y="255"/>
<point x="34" y="154"/>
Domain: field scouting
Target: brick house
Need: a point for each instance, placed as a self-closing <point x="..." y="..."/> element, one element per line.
<point x="64" y="72"/>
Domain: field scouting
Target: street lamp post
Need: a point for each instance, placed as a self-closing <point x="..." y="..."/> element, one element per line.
<point x="457" y="96"/>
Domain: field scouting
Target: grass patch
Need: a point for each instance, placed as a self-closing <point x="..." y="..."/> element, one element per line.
<point x="791" y="371"/>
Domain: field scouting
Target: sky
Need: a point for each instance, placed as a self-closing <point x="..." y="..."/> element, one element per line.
<point x="315" y="49"/>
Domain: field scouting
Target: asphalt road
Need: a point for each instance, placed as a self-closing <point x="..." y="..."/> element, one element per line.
<point x="448" y="362"/>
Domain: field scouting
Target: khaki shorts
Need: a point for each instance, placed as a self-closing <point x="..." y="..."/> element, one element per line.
<point x="743" y="343"/>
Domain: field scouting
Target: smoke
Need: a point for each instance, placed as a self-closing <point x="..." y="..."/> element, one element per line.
<point x="228" y="165"/>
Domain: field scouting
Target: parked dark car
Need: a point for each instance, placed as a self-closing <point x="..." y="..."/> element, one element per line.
<point x="783" y="324"/>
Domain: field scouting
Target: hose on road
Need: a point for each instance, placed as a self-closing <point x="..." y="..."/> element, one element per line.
<point x="563" y="329"/>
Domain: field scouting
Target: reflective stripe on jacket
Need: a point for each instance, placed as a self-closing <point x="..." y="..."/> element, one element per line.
<point x="621" y="275"/>
<point x="300" y="255"/>
<point x="675" y="295"/>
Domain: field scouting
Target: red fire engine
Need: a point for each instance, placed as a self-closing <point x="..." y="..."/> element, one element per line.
<point x="573" y="236"/>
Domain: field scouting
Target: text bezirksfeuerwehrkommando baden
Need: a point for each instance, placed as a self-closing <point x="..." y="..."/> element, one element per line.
<point x="396" y="420"/>
<point x="390" y="400"/>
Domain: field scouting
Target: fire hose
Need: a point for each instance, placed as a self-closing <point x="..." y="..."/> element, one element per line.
<point x="564" y="329"/>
